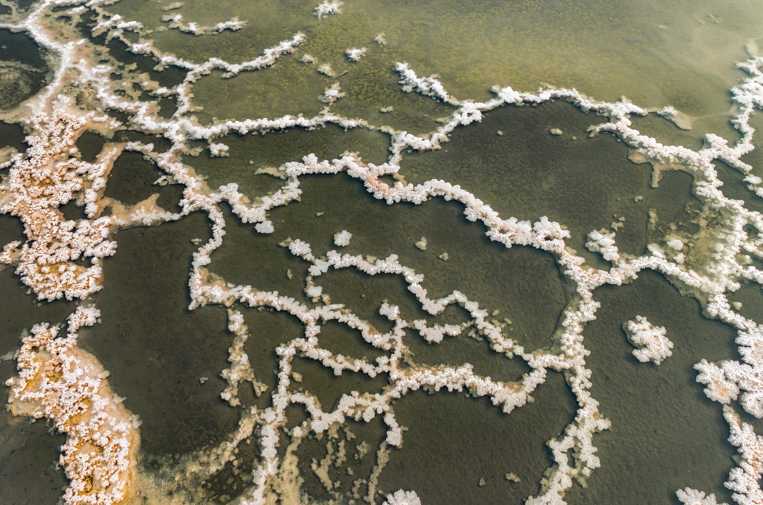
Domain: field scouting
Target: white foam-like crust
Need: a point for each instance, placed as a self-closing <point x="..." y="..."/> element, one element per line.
<point x="743" y="480"/>
<point x="401" y="497"/>
<point x="651" y="342"/>
<point x="342" y="239"/>
<point x="719" y="388"/>
<point x="690" y="496"/>
<point x="63" y="383"/>
<point x="38" y="184"/>
<point x="573" y="451"/>
<point x="176" y="21"/>
<point x="327" y="7"/>
<point x="332" y="94"/>
<point x="355" y="53"/>
<point x="240" y="369"/>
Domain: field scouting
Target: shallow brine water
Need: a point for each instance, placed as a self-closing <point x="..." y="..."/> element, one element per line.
<point x="255" y="255"/>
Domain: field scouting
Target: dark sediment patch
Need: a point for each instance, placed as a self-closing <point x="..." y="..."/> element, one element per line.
<point x="19" y="310"/>
<point x="329" y="388"/>
<point x="251" y="152"/>
<point x="131" y="180"/>
<point x="750" y="295"/>
<point x="736" y="188"/>
<point x="674" y="206"/>
<point x="584" y="184"/>
<point x="90" y="145"/>
<point x="11" y="229"/>
<point x="232" y="480"/>
<point x="155" y="349"/>
<point x="267" y="329"/>
<point x="23" y="71"/>
<point x="522" y="282"/>
<point x="21" y="48"/>
<point x="364" y="295"/>
<point x="168" y="77"/>
<point x="250" y="258"/>
<point x="24" y="4"/>
<point x="361" y="441"/>
<point x="12" y="135"/>
<point x="453" y="442"/>
<point x="72" y="211"/>
<point x="29" y="471"/>
<point x="666" y="434"/>
<point x="341" y="339"/>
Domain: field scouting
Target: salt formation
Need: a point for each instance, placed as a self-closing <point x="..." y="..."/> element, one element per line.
<point x="401" y="497"/>
<point x="355" y="54"/>
<point x="240" y="370"/>
<point x="40" y="183"/>
<point x="61" y="382"/>
<point x="342" y="239"/>
<point x="177" y="22"/>
<point x="690" y="496"/>
<point x="650" y="340"/>
<point x="719" y="389"/>
<point x="745" y="479"/>
<point x="49" y="175"/>
<point x="331" y="94"/>
<point x="327" y="8"/>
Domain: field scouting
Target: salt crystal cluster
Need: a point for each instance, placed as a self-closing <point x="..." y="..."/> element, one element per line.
<point x="332" y="94"/>
<point x="178" y="22"/>
<point x="240" y="369"/>
<point x="651" y="341"/>
<point x="342" y="239"/>
<point x="401" y="497"/>
<point x="63" y="383"/>
<point x="355" y="53"/>
<point x="690" y="496"/>
<point x="38" y="184"/>
<point x="327" y="8"/>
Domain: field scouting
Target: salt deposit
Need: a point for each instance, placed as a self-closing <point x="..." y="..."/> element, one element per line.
<point x="342" y="239"/>
<point x="650" y="340"/>
<point x="75" y="394"/>
<point x="63" y="383"/>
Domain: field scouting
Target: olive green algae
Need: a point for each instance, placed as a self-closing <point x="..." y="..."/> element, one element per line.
<point x="155" y="349"/>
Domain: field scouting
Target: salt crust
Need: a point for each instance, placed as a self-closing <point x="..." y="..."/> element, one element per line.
<point x="355" y="53"/>
<point x="241" y="369"/>
<point x="573" y="452"/>
<point x="401" y="497"/>
<point x="61" y="382"/>
<point x="342" y="239"/>
<point x="690" y="496"/>
<point x="37" y="185"/>
<point x="651" y="341"/>
<point x="176" y="21"/>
